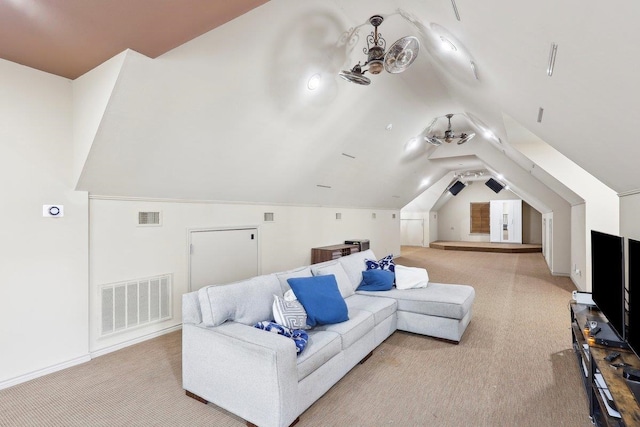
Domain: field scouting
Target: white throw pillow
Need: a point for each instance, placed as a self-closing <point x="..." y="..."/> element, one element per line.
<point x="289" y="313"/>
<point x="411" y="277"/>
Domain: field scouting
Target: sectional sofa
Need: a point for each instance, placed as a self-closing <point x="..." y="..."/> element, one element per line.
<point x="258" y="376"/>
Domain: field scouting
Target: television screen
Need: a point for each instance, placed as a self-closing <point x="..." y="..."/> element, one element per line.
<point x="494" y="185"/>
<point x="607" y="278"/>
<point x="456" y="188"/>
<point x="633" y="337"/>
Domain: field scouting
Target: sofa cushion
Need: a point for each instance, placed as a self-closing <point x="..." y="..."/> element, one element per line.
<point x="321" y="346"/>
<point x="320" y="298"/>
<point x="411" y="277"/>
<point x="359" y="324"/>
<point x="381" y="308"/>
<point x="286" y="275"/>
<point x="376" y="280"/>
<point x="247" y="302"/>
<point x="335" y="268"/>
<point x="437" y="299"/>
<point x="354" y="266"/>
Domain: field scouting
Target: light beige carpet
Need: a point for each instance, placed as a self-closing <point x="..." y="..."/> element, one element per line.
<point x="514" y="367"/>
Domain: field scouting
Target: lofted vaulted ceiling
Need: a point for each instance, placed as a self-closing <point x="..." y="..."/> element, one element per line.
<point x="229" y="115"/>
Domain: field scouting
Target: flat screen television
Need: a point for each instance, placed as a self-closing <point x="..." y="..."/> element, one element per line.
<point x="633" y="336"/>
<point x="607" y="278"/>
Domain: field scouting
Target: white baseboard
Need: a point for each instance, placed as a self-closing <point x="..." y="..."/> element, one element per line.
<point x="44" y="371"/>
<point x="119" y="346"/>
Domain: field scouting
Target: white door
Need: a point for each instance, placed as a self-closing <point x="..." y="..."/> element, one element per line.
<point x="222" y="256"/>
<point x="412" y="232"/>
<point x="495" y="227"/>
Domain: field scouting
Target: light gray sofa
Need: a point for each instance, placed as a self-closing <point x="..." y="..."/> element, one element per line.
<point x="257" y="375"/>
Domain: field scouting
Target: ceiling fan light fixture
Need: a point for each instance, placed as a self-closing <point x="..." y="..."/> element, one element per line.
<point x="396" y="60"/>
<point x="449" y="135"/>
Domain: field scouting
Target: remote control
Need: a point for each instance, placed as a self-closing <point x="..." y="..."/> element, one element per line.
<point x="612" y="356"/>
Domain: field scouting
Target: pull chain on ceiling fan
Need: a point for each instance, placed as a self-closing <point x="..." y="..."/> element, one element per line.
<point x="396" y="60"/>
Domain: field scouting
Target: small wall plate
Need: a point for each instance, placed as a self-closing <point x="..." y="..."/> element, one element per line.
<point x="53" y="211"/>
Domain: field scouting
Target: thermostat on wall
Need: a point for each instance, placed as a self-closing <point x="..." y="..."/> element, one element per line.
<point x="53" y="210"/>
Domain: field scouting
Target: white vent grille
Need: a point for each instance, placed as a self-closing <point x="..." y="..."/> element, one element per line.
<point x="134" y="303"/>
<point x="268" y="216"/>
<point x="148" y="218"/>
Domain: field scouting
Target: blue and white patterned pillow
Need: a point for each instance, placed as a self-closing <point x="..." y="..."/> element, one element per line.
<point x="385" y="263"/>
<point x="289" y="313"/>
<point x="299" y="337"/>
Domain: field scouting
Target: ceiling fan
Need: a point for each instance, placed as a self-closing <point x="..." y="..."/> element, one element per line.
<point x="449" y="135"/>
<point x="396" y="60"/>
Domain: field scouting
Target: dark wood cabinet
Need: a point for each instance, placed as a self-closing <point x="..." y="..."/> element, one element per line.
<point x="327" y="253"/>
<point x="610" y="400"/>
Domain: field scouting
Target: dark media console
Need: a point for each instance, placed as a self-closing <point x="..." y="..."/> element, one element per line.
<point x="610" y="380"/>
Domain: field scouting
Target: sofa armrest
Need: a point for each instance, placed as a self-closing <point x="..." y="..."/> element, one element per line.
<point x="245" y="370"/>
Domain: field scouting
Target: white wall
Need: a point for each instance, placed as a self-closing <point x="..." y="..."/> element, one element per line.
<point x="122" y="251"/>
<point x="455" y="217"/>
<point x="579" y="265"/>
<point x="43" y="261"/>
<point x="630" y="216"/>
<point x="531" y="225"/>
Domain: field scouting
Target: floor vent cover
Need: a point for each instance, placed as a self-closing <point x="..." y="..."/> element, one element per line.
<point x="134" y="303"/>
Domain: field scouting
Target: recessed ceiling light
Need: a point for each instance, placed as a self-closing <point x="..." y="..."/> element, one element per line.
<point x="314" y="82"/>
<point x="412" y="144"/>
<point x="448" y="43"/>
<point x="389" y="126"/>
<point x="474" y="69"/>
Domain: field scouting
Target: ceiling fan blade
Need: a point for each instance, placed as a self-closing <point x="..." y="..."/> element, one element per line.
<point x="466" y="138"/>
<point x="354" y="77"/>
<point x="401" y="54"/>
<point x="433" y="140"/>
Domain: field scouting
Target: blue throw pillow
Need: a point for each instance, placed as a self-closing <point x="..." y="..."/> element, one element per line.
<point x="385" y="263"/>
<point x="321" y="299"/>
<point x="298" y="336"/>
<point x="376" y="280"/>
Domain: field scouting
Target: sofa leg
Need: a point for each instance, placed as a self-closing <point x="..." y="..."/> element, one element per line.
<point x="364" y="359"/>
<point x="291" y="425"/>
<point x="195" y="396"/>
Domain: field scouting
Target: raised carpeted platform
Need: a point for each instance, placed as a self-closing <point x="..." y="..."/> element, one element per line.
<point x="512" y="248"/>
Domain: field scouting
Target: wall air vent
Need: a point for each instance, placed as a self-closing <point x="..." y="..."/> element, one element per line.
<point x="540" y="113"/>
<point x="268" y="217"/>
<point x="134" y="303"/>
<point x="338" y="215"/>
<point x="149" y="219"/>
<point x="455" y="9"/>
<point x="552" y="58"/>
